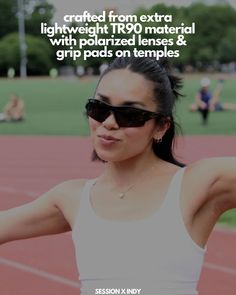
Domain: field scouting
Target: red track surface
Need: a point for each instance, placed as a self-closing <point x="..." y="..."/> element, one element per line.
<point x="32" y="165"/>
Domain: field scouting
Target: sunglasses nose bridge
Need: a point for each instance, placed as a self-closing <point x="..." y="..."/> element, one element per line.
<point x="110" y="119"/>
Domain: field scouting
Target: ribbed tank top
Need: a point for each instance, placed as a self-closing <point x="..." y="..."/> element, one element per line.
<point x="155" y="254"/>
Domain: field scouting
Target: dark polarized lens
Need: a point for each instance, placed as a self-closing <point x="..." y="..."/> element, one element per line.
<point x="131" y="117"/>
<point x="97" y="110"/>
<point x="125" y="116"/>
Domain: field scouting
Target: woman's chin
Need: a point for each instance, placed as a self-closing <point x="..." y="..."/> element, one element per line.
<point x="107" y="156"/>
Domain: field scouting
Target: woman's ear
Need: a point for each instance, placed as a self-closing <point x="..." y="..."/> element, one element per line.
<point x="161" y="129"/>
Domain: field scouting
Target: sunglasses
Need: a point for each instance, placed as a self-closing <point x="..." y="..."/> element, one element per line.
<point x="125" y="116"/>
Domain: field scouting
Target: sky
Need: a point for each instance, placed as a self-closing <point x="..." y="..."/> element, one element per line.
<point x="124" y="6"/>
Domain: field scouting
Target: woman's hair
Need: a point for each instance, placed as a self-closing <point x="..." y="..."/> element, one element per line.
<point x="165" y="94"/>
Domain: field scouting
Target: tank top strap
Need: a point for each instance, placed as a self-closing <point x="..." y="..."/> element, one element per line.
<point x="84" y="198"/>
<point x="172" y="199"/>
<point x="84" y="207"/>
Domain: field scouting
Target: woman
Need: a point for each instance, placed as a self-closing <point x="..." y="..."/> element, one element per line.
<point x="144" y="223"/>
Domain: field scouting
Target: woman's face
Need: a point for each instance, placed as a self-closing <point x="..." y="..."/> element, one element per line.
<point x="114" y="143"/>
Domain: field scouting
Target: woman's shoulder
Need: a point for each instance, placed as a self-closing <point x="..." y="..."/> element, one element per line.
<point x="67" y="197"/>
<point x="200" y="172"/>
<point x="205" y="168"/>
<point x="201" y="176"/>
<point x="210" y="171"/>
<point x="69" y="189"/>
<point x="71" y="185"/>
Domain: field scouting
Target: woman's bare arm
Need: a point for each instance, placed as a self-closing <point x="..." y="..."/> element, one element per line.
<point x="223" y="188"/>
<point x="43" y="216"/>
<point x="209" y="191"/>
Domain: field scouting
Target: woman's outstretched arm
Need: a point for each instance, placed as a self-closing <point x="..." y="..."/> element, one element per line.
<point x="209" y="191"/>
<point x="224" y="187"/>
<point x="43" y="216"/>
<point x="214" y="180"/>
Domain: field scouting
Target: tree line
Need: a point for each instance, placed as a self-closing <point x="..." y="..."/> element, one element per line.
<point x="213" y="43"/>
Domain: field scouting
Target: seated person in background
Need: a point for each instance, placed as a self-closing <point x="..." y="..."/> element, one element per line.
<point x="205" y="101"/>
<point x="14" y="110"/>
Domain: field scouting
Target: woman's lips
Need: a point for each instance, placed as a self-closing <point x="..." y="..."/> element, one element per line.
<point x="108" y="140"/>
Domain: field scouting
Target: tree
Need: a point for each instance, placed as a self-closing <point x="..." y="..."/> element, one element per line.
<point x="39" y="51"/>
<point x="35" y="11"/>
<point x="211" y="24"/>
<point x="42" y="12"/>
<point x="227" y="46"/>
<point x="8" y="19"/>
<point x="39" y="54"/>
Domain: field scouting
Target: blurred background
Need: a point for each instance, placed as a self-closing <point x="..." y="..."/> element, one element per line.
<point x="212" y="48"/>
<point x="54" y="92"/>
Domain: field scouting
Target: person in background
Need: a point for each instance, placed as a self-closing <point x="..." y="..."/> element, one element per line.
<point x="14" y="110"/>
<point x="206" y="101"/>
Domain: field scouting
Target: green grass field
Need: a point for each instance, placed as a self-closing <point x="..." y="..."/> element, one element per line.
<point x="56" y="107"/>
<point x="53" y="107"/>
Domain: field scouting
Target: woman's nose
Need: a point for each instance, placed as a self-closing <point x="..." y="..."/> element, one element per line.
<point x="110" y="122"/>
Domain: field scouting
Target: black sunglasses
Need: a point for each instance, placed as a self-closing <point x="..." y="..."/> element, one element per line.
<point x="125" y="116"/>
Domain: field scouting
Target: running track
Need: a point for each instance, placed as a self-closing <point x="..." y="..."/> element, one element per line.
<point x="46" y="266"/>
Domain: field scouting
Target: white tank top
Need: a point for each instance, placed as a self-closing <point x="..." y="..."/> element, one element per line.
<point x="155" y="254"/>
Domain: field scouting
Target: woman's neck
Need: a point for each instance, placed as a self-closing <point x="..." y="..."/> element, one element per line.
<point x="126" y="172"/>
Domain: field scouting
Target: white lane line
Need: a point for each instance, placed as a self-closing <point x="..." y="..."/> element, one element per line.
<point x="6" y="189"/>
<point x="40" y="273"/>
<point x="220" y="268"/>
